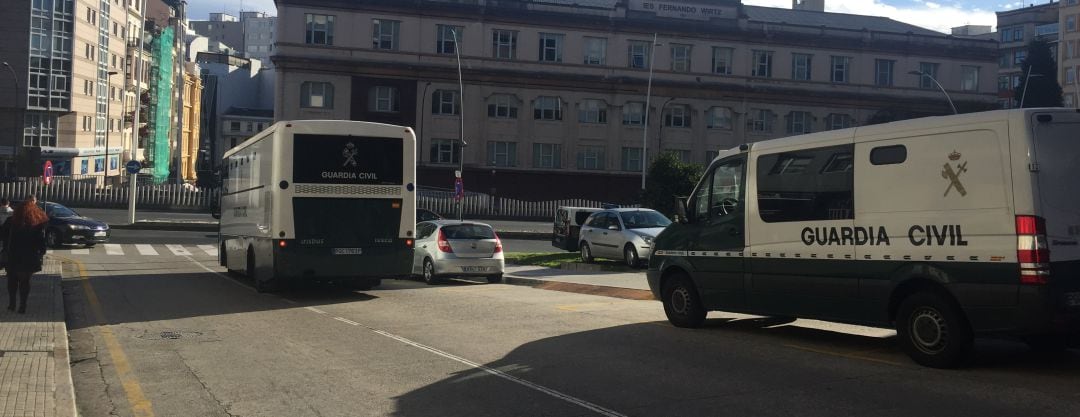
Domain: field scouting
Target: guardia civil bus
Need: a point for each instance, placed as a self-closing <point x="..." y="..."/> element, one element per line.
<point x="320" y="200"/>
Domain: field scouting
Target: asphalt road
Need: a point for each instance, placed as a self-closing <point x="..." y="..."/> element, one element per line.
<point x="182" y="339"/>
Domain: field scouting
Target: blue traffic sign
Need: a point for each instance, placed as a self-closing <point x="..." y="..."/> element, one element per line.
<point x="133" y="167"/>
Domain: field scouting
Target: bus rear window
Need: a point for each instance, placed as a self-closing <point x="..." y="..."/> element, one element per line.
<point x="346" y="221"/>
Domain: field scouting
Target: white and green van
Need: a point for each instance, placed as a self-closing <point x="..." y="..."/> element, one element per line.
<point x="945" y="228"/>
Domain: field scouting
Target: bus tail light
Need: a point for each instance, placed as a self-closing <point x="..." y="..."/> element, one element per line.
<point x="444" y="245"/>
<point x="1032" y="250"/>
<point x="498" y="244"/>
<point x="282" y="244"/>
<point x="408" y="243"/>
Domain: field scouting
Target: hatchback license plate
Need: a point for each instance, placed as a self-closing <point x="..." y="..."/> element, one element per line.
<point x="99" y="234"/>
<point x="474" y="269"/>
<point x="348" y="251"/>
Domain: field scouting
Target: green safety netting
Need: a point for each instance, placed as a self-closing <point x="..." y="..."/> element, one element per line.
<point x="162" y="118"/>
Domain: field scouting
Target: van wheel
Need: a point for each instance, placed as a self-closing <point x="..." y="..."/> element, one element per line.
<point x="682" y="305"/>
<point x="586" y="253"/>
<point x="630" y="256"/>
<point x="429" y="272"/>
<point x="933" y="330"/>
<point x="261" y="285"/>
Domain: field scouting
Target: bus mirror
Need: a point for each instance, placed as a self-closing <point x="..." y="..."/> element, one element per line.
<point x="680" y="210"/>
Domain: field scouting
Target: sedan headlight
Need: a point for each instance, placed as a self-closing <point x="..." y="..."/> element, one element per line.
<point x="78" y="227"/>
<point x="648" y="239"/>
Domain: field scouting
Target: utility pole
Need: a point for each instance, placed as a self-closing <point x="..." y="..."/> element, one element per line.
<point x="461" y="131"/>
<point x="133" y="182"/>
<point x="645" y="131"/>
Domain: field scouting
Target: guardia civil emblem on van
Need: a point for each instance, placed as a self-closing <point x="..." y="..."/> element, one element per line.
<point x="349" y="154"/>
<point x="953" y="175"/>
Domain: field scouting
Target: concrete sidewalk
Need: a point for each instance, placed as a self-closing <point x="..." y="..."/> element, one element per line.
<point x="35" y="370"/>
<point x="630" y="285"/>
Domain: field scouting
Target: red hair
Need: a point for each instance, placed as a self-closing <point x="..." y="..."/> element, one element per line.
<point x="28" y="215"/>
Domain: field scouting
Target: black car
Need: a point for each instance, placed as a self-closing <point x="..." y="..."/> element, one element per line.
<point x="68" y="227"/>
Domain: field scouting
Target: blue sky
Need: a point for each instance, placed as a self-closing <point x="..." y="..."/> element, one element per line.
<point x="937" y="15"/>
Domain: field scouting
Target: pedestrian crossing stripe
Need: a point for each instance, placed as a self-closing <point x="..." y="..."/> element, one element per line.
<point x="146" y="250"/>
<point x="113" y="249"/>
<point x="209" y="249"/>
<point x="178" y="250"/>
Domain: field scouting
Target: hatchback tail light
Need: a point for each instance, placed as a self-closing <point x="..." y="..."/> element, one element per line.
<point x="1032" y="250"/>
<point x="498" y="244"/>
<point x="444" y="245"/>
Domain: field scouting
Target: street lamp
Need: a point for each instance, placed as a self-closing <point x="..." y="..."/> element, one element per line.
<point x="461" y="115"/>
<point x="420" y="134"/>
<point x="931" y="77"/>
<point x="645" y="131"/>
<point x="14" y="121"/>
<point x="660" y="130"/>
<point x="108" y="121"/>
<point x="1026" y="79"/>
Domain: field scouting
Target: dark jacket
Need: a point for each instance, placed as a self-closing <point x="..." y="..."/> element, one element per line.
<point x="25" y="247"/>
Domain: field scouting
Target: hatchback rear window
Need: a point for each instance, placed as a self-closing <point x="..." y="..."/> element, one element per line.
<point x="468" y="231"/>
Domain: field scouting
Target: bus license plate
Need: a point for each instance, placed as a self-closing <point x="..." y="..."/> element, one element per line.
<point x="474" y="269"/>
<point x="1072" y="299"/>
<point x="348" y="251"/>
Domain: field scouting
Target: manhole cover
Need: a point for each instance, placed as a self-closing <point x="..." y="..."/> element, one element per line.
<point x="170" y="335"/>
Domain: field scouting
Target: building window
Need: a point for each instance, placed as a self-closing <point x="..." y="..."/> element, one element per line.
<point x="502" y="154"/>
<point x="383" y="99"/>
<point x="685" y="156"/>
<point x="841" y="66"/>
<point x="320" y="29"/>
<point x="721" y="60"/>
<point x="250" y="127"/>
<point x="234" y="126"/>
<point x="1070" y="49"/>
<point x="838" y="121"/>
<point x="709" y="156"/>
<point x="445" y="151"/>
<point x="551" y="47"/>
<point x="633" y="114"/>
<point x="99" y="164"/>
<point x="638" y="54"/>
<point x="883" y="72"/>
<point x="759" y="121"/>
<point x="317" y="95"/>
<point x="799" y="122"/>
<point x="1070" y="23"/>
<point x="84" y="167"/>
<point x="631" y="159"/>
<point x="929" y="69"/>
<point x="547" y="108"/>
<point x="719" y="118"/>
<point x="1003" y="83"/>
<point x="1015" y="81"/>
<point x="969" y="78"/>
<point x="680" y="58"/>
<point x="592" y="111"/>
<point x="1070" y="75"/>
<point x="547" y="155"/>
<point x="595" y="51"/>
<point x="590" y="157"/>
<point x="677" y="115"/>
<point x="504" y="44"/>
<point x="385" y="34"/>
<point x="39" y="129"/>
<point x="502" y="106"/>
<point x="762" y="64"/>
<point x="800" y="67"/>
<point x="87" y="123"/>
<point x="1019" y="57"/>
<point x="444" y="102"/>
<point x="259" y="127"/>
<point x="1018" y="34"/>
<point x="448" y="38"/>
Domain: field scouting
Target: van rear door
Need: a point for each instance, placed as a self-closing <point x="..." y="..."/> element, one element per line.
<point x="1057" y="169"/>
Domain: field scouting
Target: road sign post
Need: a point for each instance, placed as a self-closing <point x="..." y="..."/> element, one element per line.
<point x="132" y="167"/>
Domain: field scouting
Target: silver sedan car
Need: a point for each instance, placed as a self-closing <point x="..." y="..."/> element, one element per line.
<point x="452" y="248"/>
<point x="625" y="233"/>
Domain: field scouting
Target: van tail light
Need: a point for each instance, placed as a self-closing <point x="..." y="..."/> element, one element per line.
<point x="498" y="244"/>
<point x="444" y="245"/>
<point x="1032" y="250"/>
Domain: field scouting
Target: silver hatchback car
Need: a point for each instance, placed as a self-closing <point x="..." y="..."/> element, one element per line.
<point x="446" y="248"/>
<point x="625" y="233"/>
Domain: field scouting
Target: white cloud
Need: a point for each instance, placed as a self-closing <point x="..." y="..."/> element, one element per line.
<point x="929" y="15"/>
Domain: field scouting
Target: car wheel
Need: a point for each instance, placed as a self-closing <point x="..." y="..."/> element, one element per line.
<point x="494" y="279"/>
<point x="586" y="253"/>
<point x="52" y="238"/>
<point x="429" y="272"/>
<point x="630" y="256"/>
<point x="933" y="331"/>
<point x="682" y="304"/>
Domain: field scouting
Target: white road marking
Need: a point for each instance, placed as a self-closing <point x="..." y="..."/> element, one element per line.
<point x="210" y="250"/>
<point x="113" y="249"/>
<point x="146" y="250"/>
<point x="178" y="250"/>
<point x="80" y="251"/>
<point x="228" y="279"/>
<point x="495" y="372"/>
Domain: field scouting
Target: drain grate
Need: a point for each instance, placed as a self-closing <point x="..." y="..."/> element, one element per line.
<point x="170" y="335"/>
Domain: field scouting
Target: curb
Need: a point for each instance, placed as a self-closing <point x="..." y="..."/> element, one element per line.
<point x="65" y="386"/>
<point x="589" y="289"/>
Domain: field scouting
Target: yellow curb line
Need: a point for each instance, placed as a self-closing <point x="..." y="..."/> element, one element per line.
<point x="140" y="406"/>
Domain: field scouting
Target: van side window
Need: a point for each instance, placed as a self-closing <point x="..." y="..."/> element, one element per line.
<point x="807" y="185"/>
<point x="888" y="155"/>
<point x="721" y="192"/>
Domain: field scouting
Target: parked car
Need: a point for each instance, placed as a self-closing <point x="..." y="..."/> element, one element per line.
<point x="625" y="233"/>
<point x="68" y="227"/>
<point x="447" y="248"/>
<point x="566" y="231"/>
<point x="425" y="215"/>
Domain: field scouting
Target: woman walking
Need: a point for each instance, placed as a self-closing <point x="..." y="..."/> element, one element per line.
<point x="24" y="249"/>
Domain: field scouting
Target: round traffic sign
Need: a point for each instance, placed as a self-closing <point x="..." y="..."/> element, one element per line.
<point x="48" y="173"/>
<point x="133" y="167"/>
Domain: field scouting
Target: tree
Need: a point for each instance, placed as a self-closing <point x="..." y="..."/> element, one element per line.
<point x="669" y="177"/>
<point x="1043" y="89"/>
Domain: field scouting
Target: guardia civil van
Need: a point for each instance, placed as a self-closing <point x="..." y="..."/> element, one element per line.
<point x="944" y="228"/>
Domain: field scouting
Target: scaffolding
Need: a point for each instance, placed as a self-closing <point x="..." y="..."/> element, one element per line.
<point x="161" y="83"/>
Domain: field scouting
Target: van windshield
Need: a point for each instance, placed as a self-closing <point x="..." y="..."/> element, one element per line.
<point x="643" y="219"/>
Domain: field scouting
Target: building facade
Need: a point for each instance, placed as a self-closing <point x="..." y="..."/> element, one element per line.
<point x="1016" y="28"/>
<point x="252" y="34"/>
<point x="557" y="97"/>
<point x="1068" y="56"/>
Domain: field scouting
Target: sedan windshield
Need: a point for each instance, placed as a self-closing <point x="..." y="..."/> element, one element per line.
<point x="468" y="231"/>
<point x="58" y="211"/>
<point x="643" y="219"/>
